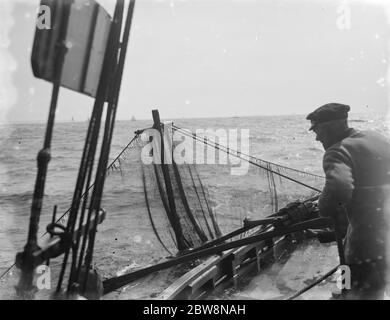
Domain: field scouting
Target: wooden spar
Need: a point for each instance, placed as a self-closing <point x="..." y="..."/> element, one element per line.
<point x="247" y="226"/>
<point x="108" y="133"/>
<point x="25" y="286"/>
<point x="87" y="160"/>
<point x="172" y="214"/>
<point x="118" y="282"/>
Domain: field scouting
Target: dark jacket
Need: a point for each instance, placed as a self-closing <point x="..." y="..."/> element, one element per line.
<point x="357" y="170"/>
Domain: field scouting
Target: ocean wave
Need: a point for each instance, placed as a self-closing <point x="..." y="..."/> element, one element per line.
<point x="317" y="149"/>
<point x="264" y="139"/>
<point x="16" y="197"/>
<point x="20" y="196"/>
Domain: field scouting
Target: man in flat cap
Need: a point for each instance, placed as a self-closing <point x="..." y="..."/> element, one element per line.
<point x="357" y="170"/>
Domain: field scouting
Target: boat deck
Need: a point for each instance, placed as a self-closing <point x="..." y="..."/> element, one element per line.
<point x="293" y="271"/>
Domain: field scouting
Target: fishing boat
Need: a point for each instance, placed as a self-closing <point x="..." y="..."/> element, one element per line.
<point x="209" y="253"/>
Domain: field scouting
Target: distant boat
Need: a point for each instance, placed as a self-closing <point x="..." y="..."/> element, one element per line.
<point x="133" y="118"/>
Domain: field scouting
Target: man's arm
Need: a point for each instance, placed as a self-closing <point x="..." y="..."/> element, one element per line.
<point x="339" y="183"/>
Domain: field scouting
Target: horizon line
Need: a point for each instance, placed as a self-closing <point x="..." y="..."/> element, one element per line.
<point x="181" y="118"/>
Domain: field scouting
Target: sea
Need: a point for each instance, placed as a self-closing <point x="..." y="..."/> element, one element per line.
<point x="283" y="140"/>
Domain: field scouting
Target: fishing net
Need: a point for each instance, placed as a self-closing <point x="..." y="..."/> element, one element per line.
<point x="159" y="211"/>
<point x="156" y="211"/>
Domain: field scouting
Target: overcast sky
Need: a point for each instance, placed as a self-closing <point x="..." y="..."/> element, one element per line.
<point x="211" y="58"/>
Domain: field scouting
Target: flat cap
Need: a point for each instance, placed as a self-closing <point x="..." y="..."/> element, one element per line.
<point x="328" y="112"/>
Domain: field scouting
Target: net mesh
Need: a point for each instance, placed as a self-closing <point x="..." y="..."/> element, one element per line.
<point x="155" y="211"/>
<point x="144" y="225"/>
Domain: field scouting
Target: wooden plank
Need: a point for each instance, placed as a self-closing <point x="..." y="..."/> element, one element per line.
<point x="186" y="286"/>
<point x="178" y="287"/>
<point x="114" y="283"/>
<point x="214" y="269"/>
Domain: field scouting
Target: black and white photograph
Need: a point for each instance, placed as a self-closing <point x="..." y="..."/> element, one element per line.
<point x="217" y="153"/>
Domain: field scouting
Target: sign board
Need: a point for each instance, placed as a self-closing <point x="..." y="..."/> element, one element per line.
<point x="86" y="40"/>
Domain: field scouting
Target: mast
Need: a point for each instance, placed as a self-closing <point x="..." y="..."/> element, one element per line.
<point x="25" y="286"/>
<point x="109" y="49"/>
<point x="106" y="144"/>
<point x="172" y="214"/>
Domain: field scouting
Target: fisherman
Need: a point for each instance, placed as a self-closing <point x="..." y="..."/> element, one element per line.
<point x="357" y="169"/>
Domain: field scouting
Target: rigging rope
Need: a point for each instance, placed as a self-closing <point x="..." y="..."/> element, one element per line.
<point x="200" y="204"/>
<point x="237" y="155"/>
<point x="116" y="163"/>
<point x="111" y="167"/>
<point x="316" y="282"/>
<point x="229" y="150"/>
<point x="87" y="160"/>
<point x="107" y="138"/>
<point x="150" y="214"/>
